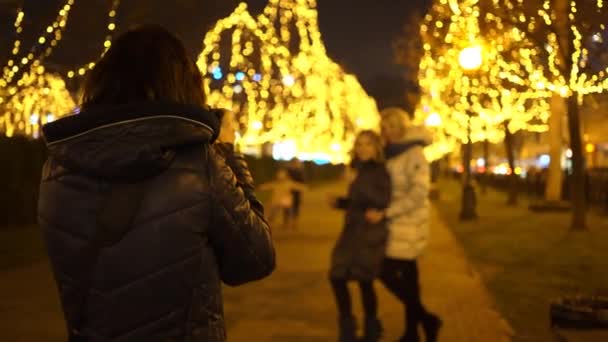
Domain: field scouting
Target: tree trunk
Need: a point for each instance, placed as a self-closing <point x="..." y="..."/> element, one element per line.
<point x="577" y="185"/>
<point x="469" y="198"/>
<point x="578" y="188"/>
<point x="512" y="192"/>
<point x="486" y="172"/>
<point x="553" y="190"/>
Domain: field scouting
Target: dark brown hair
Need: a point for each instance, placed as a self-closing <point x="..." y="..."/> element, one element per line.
<point x="376" y="140"/>
<point x="145" y="63"/>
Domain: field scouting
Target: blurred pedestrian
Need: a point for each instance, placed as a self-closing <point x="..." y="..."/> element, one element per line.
<point x="359" y="251"/>
<point x="281" y="198"/>
<point x="408" y="216"/>
<point x="142" y="219"/>
<point x="296" y="173"/>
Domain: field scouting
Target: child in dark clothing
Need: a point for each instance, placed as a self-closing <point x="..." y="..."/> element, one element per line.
<point x="359" y="251"/>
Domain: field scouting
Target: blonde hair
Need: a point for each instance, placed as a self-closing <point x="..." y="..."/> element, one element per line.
<point x="395" y="116"/>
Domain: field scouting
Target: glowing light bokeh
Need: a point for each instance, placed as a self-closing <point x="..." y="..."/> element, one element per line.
<point x="293" y="91"/>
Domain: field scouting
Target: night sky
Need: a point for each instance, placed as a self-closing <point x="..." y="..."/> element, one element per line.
<point x="358" y="33"/>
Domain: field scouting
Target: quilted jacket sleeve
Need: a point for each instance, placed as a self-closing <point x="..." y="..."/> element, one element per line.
<point x="240" y="236"/>
<point x="236" y="161"/>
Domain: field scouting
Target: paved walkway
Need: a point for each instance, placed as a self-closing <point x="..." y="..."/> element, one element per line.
<point x="295" y="304"/>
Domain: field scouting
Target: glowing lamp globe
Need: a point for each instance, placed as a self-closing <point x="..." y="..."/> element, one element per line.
<point x="433" y="120"/>
<point x="470" y="58"/>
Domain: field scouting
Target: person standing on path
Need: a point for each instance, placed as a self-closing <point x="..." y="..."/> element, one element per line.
<point x="141" y="217"/>
<point x="281" y="199"/>
<point x="296" y="173"/>
<point x="408" y="216"/>
<point x="359" y="251"/>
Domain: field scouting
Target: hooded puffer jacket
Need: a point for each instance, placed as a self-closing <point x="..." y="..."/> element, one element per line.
<point x="409" y="211"/>
<point x="178" y="223"/>
<point x="359" y="251"/>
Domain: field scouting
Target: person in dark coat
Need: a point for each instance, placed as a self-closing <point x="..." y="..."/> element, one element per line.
<point x="143" y="220"/>
<point x="359" y="251"/>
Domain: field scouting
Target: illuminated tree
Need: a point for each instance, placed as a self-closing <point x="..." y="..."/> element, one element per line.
<point x="29" y="63"/>
<point x="42" y="98"/>
<point x="567" y="34"/>
<point x="29" y="95"/>
<point x="274" y="72"/>
<point x="469" y="75"/>
<point x="481" y="100"/>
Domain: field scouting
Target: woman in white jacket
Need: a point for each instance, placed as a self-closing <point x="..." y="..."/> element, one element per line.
<point x="408" y="216"/>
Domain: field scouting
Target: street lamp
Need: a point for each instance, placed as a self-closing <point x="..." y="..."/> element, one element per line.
<point x="470" y="59"/>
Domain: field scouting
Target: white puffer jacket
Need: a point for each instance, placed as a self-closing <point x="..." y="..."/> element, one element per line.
<point x="409" y="211"/>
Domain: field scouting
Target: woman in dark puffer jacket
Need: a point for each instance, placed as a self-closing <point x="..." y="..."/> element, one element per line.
<point x="359" y="251"/>
<point x="142" y="218"/>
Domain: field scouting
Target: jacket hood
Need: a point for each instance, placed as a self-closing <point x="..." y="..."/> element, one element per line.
<point x="415" y="136"/>
<point x="128" y="142"/>
<point x="419" y="134"/>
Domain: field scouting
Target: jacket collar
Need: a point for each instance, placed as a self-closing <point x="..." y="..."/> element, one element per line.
<point x="108" y="117"/>
<point x="128" y="142"/>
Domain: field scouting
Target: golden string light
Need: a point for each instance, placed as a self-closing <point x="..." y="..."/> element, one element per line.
<point x="16" y="47"/>
<point x="49" y="39"/>
<point x="279" y="80"/>
<point x="110" y="29"/>
<point x="559" y="79"/>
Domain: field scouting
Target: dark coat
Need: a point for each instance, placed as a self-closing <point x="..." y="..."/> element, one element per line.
<point x="360" y="248"/>
<point x="159" y="277"/>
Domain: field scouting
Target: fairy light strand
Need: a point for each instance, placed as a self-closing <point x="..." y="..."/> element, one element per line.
<point x="111" y="28"/>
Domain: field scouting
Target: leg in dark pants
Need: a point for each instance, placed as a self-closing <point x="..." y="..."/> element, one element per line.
<point x="343" y="300"/>
<point x="369" y="299"/>
<point x="373" y="328"/>
<point x="295" y="209"/>
<point x="401" y="278"/>
<point x="346" y="320"/>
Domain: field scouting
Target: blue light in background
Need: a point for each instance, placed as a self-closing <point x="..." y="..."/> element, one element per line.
<point x="240" y="76"/>
<point x="544" y="161"/>
<point x="217" y="73"/>
<point x="320" y="161"/>
<point x="257" y="77"/>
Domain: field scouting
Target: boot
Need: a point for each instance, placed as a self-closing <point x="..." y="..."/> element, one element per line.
<point x="410" y="336"/>
<point x="347" y="327"/>
<point x="373" y="330"/>
<point x="431" y="324"/>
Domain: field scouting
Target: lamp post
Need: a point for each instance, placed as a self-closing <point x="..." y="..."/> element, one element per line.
<point x="470" y="60"/>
